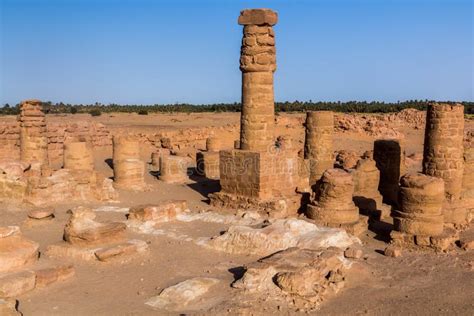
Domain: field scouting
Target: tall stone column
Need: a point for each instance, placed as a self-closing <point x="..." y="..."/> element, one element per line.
<point x="33" y="139"/>
<point x="257" y="63"/>
<point x="318" y="148"/>
<point x="443" y="156"/>
<point x="443" y="149"/>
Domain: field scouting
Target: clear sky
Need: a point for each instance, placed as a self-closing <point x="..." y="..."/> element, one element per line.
<point x="145" y="52"/>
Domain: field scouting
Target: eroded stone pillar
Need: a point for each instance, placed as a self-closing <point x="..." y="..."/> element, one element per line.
<point x="318" y="148"/>
<point x="174" y="169"/>
<point x="78" y="156"/>
<point x="33" y="139"/>
<point x="333" y="205"/>
<point x="421" y="200"/>
<point x="129" y="169"/>
<point x="257" y="63"/>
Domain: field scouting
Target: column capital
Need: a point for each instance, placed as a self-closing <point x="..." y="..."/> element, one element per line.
<point x="258" y="17"/>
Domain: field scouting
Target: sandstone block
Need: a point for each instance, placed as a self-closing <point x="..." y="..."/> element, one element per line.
<point x="15" y="284"/>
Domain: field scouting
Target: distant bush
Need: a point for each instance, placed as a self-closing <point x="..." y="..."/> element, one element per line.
<point x="73" y="110"/>
<point x="143" y="112"/>
<point x="95" y="112"/>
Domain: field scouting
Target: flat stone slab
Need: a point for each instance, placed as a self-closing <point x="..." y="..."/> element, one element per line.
<point x="99" y="252"/>
<point x="8" y="307"/>
<point x="47" y="276"/>
<point x="258" y="17"/>
<point x="164" y="212"/>
<point x="186" y="295"/>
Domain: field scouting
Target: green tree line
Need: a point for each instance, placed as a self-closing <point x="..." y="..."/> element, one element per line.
<point x="294" y="106"/>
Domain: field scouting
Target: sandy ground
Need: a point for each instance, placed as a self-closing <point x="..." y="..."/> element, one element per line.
<point x="414" y="284"/>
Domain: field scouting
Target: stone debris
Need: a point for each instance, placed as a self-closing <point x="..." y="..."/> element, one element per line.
<point x="353" y="253"/>
<point x="45" y="213"/>
<point x="17" y="283"/>
<point x="333" y="205"/>
<point x="279" y="235"/>
<point x="305" y="277"/>
<point x="82" y="229"/>
<point x="89" y="240"/>
<point x="393" y="251"/>
<point x="184" y="296"/>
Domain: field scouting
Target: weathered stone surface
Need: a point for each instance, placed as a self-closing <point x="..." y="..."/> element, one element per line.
<point x="17" y="283"/>
<point x="164" y="212"/>
<point x="306" y="276"/>
<point x="280" y="235"/>
<point x="15" y="250"/>
<point x="366" y="182"/>
<point x="353" y="253"/>
<point x="186" y="295"/>
<point x="258" y="17"/>
<point x="82" y="229"/>
<point x="47" y="276"/>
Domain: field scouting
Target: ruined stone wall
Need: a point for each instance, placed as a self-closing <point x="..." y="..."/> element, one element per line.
<point x="443" y="148"/>
<point x="9" y="141"/>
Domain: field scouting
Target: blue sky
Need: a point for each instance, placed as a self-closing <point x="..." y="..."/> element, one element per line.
<point x="145" y="52"/>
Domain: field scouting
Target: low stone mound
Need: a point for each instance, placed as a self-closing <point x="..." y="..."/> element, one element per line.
<point x="304" y="276"/>
<point x="16" y="251"/>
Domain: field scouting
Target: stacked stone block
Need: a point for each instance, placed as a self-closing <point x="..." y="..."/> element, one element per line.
<point x="389" y="156"/>
<point x="443" y="155"/>
<point x="33" y="138"/>
<point x="78" y="156"/>
<point x="129" y="169"/>
<point x="318" y="147"/>
<point x="333" y="206"/>
<point x="468" y="177"/>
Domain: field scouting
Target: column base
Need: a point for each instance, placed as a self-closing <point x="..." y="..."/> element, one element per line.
<point x="439" y="243"/>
